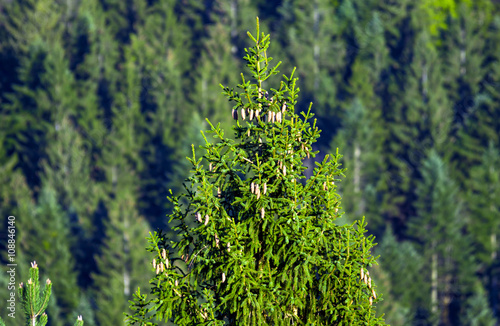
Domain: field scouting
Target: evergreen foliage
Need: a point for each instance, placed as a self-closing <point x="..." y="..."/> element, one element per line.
<point x="447" y="265"/>
<point x="54" y="251"/>
<point x="99" y="100"/>
<point x="35" y="301"/>
<point x="478" y="310"/>
<point x="267" y="249"/>
<point x="403" y="263"/>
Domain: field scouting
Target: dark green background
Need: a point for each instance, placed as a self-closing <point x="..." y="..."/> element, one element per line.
<point x="101" y="100"/>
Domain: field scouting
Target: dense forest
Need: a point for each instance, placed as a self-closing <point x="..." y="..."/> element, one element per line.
<point x="100" y="101"/>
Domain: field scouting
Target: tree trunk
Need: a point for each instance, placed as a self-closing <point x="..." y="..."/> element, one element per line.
<point x="493" y="278"/>
<point x="434" y="280"/>
<point x="316" y="47"/>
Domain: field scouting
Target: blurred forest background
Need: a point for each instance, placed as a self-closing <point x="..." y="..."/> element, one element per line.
<point x="100" y="101"/>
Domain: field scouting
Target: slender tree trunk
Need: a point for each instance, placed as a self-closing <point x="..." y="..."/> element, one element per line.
<point x="434" y="279"/>
<point x="462" y="52"/>
<point x="356" y="172"/>
<point x="234" y="30"/>
<point x="316" y="47"/>
<point x="126" y="251"/>
<point x="360" y="208"/>
<point x="424" y="82"/>
<point x="446" y="294"/>
<point x="493" y="242"/>
<point x="493" y="278"/>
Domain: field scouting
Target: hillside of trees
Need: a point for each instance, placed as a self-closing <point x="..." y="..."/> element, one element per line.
<point x="100" y="101"/>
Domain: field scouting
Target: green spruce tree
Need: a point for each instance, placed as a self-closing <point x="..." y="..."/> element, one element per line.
<point x="402" y="263"/>
<point x="34" y="303"/>
<point x="446" y="249"/>
<point x="119" y="264"/>
<point x="484" y="221"/>
<point x="267" y="249"/>
<point x="51" y="245"/>
<point x="478" y="311"/>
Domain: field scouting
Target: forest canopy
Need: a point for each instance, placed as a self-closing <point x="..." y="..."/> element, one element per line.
<point x="100" y="102"/>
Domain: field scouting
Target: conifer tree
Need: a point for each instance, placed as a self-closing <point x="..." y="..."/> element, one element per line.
<point x="477" y="110"/>
<point x="392" y="179"/>
<point x="52" y="247"/>
<point x="67" y="170"/>
<point x="484" y="222"/>
<point x="119" y="264"/>
<point x="267" y="249"/>
<point x="217" y="63"/>
<point x="356" y="136"/>
<point x="478" y="311"/>
<point x="89" y="50"/>
<point x="311" y="35"/>
<point x="446" y="249"/>
<point x="44" y="89"/>
<point x="35" y="303"/>
<point x="402" y="263"/>
<point x="17" y="201"/>
<point x="156" y="76"/>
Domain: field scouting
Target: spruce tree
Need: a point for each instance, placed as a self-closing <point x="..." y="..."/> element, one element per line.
<point x="310" y="35"/>
<point x="52" y="247"/>
<point x="217" y="63"/>
<point x="68" y="171"/>
<point x="483" y="191"/>
<point x="18" y="201"/>
<point x="402" y="263"/>
<point x="156" y="88"/>
<point x="267" y="248"/>
<point x="478" y="311"/>
<point x="477" y="110"/>
<point x="118" y="264"/>
<point x="447" y="266"/>
<point x="34" y="302"/>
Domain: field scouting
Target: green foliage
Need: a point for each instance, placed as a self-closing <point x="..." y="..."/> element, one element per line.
<point x="478" y="310"/>
<point x="403" y="264"/>
<point x="439" y="227"/>
<point x="34" y="301"/>
<point x="99" y="100"/>
<point x="484" y="190"/>
<point x="267" y="249"/>
<point x="67" y="171"/>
